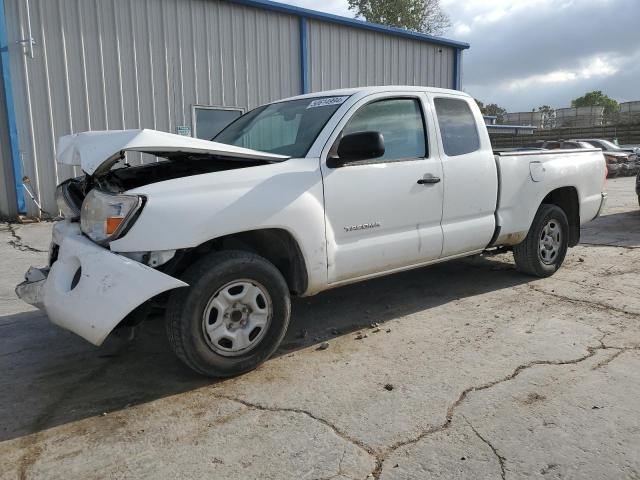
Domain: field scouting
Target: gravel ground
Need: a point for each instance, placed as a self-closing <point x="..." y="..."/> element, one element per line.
<point x="475" y="371"/>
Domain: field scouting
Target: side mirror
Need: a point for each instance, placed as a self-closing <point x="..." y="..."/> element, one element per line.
<point x="358" y="146"/>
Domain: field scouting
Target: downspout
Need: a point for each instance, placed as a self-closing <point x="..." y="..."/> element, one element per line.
<point x="304" y="55"/>
<point x="457" y="69"/>
<point x="10" y="112"/>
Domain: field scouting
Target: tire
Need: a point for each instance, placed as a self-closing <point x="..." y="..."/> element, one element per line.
<point x="213" y="281"/>
<point x="531" y="256"/>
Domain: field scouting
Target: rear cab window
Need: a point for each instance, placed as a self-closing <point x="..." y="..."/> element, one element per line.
<point x="457" y="125"/>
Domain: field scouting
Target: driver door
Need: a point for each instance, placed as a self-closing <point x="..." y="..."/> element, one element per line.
<point x="378" y="216"/>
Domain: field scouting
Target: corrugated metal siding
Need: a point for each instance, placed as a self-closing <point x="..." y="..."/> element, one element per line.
<point x="138" y="63"/>
<point x="341" y="56"/>
<point x="112" y="64"/>
<point x="7" y="190"/>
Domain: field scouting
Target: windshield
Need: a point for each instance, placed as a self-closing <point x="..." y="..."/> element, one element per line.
<point x="285" y="128"/>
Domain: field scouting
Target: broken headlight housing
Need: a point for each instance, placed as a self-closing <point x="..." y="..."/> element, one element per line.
<point x="65" y="202"/>
<point x="105" y="216"/>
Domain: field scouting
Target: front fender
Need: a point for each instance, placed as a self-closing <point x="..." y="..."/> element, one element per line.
<point x="187" y="212"/>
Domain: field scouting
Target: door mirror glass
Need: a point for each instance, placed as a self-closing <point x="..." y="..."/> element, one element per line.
<point x="360" y="146"/>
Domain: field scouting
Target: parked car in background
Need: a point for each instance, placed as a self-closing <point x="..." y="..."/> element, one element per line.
<point x="632" y="148"/>
<point x="620" y="161"/>
<point x="293" y="198"/>
<point x="607" y="145"/>
<point x="558" y="145"/>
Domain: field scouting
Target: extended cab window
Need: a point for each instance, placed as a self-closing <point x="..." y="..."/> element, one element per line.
<point x="400" y="122"/>
<point x="457" y="126"/>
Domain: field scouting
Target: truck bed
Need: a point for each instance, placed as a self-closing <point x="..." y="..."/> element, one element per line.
<point x="527" y="176"/>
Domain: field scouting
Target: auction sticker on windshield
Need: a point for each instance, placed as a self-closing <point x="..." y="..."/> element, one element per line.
<point x="323" y="102"/>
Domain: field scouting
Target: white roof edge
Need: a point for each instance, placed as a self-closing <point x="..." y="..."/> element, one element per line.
<point x="374" y="89"/>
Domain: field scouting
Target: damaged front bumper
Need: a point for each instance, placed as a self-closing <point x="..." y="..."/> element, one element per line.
<point x="89" y="289"/>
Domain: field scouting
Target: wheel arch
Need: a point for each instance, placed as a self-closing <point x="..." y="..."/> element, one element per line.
<point x="276" y="245"/>
<point x="567" y="199"/>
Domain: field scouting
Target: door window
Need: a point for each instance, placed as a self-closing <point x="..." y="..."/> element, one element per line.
<point x="457" y="126"/>
<point x="401" y="123"/>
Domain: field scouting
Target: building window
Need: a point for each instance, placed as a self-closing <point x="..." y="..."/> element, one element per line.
<point x="209" y="121"/>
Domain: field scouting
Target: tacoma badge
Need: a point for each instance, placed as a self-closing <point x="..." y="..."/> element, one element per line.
<point x="363" y="226"/>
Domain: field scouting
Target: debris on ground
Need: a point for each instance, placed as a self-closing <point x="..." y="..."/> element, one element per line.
<point x="376" y="330"/>
<point x="360" y="336"/>
<point x="374" y="325"/>
<point x="323" y="346"/>
<point x="388" y="387"/>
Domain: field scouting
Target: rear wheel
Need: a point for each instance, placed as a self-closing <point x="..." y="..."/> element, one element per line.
<point x="232" y="317"/>
<point x="545" y="246"/>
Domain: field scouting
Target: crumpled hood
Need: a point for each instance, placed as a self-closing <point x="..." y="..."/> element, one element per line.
<point x="96" y="152"/>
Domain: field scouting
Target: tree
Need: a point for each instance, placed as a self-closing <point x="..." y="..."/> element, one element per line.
<point x="491" y="109"/>
<point x="548" y="116"/>
<point x="598" y="99"/>
<point x="495" y="111"/>
<point x="423" y="16"/>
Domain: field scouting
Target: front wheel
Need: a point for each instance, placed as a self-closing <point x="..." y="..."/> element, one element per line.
<point x="232" y="317"/>
<point x="545" y="246"/>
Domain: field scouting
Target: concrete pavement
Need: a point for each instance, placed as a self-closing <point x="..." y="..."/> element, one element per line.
<point x="476" y="372"/>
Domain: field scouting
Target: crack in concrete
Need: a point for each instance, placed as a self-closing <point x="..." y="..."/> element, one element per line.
<point x="256" y="406"/>
<point x="381" y="456"/>
<point x="598" y="305"/>
<point x="501" y="460"/>
<point x="597" y="287"/>
<point x="591" y="351"/>
<point x="626" y="247"/>
<point x="339" y="473"/>
<point x="608" y="360"/>
<point x="17" y="241"/>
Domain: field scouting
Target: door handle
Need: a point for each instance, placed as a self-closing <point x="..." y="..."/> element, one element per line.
<point x="428" y="179"/>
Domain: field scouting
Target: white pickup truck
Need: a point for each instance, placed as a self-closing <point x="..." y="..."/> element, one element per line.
<point x="293" y="198"/>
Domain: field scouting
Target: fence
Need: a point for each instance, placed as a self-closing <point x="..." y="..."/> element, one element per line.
<point x="628" y="134"/>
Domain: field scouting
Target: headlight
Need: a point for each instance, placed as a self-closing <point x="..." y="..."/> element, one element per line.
<point x="104" y="215"/>
<point x="66" y="205"/>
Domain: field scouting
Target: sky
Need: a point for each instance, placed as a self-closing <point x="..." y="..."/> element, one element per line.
<point x="528" y="53"/>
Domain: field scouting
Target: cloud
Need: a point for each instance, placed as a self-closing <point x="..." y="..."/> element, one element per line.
<point x="526" y="53"/>
<point x="337" y="7"/>
<point x="596" y="67"/>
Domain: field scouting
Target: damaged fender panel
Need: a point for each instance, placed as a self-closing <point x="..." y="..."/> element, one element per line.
<point x="89" y="289"/>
